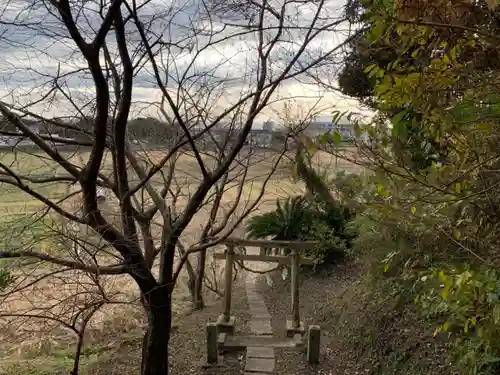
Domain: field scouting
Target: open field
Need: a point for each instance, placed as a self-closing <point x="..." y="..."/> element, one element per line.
<point x="187" y="171"/>
<point x="53" y="296"/>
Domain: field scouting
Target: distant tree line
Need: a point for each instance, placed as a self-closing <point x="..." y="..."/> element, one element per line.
<point x="143" y="128"/>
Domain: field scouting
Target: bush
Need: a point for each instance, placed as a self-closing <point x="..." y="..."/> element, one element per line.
<point x="434" y="255"/>
<point x="468" y="305"/>
<point x="308" y="219"/>
<point x="290" y="221"/>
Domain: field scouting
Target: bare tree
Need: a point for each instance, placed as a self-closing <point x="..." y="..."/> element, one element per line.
<point x="202" y="71"/>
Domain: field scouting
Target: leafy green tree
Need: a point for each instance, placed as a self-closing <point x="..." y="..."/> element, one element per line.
<point x="437" y="178"/>
<point x="382" y="44"/>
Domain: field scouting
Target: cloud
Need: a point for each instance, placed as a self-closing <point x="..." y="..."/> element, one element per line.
<point x="196" y="52"/>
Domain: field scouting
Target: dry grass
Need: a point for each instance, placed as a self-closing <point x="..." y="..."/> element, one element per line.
<point x="117" y="352"/>
<point x="57" y="296"/>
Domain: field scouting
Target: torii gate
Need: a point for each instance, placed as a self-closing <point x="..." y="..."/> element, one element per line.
<point x="220" y="335"/>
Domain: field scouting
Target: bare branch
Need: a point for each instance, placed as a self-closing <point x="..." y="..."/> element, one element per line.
<point x="103" y="270"/>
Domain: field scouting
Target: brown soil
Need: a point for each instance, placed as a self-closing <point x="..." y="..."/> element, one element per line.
<point x="187" y="345"/>
<point x="317" y="296"/>
<point x="362" y="333"/>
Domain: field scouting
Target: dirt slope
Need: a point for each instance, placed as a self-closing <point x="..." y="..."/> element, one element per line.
<point x="362" y="332"/>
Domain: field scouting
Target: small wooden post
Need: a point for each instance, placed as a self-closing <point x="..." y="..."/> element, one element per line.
<point x="313" y="344"/>
<point x="212" y="352"/>
<point x="295" y="288"/>
<point x="229" y="283"/>
<point x="263" y="250"/>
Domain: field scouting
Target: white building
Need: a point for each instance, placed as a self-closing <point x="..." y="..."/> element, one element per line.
<point x="324" y="124"/>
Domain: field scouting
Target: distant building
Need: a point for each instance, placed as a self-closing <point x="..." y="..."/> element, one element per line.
<point x="266" y="137"/>
<point x="269" y="125"/>
<point x="260" y="138"/>
<point x="323" y="125"/>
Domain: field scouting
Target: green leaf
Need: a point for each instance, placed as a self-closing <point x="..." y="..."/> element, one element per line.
<point x="458" y="187"/>
<point x="398" y="125"/>
<point x="456" y="234"/>
<point x="436" y="331"/>
<point x="337" y="137"/>
<point x="484" y="126"/>
<point x="413" y="210"/>
<point x="491" y="359"/>
<point x="325" y="138"/>
<point x="400" y="29"/>
<point x="444" y="292"/>
<point x="357" y="130"/>
<point x="312" y="147"/>
<point x="453" y="53"/>
<point x="388" y="4"/>
<point x="369" y="68"/>
<point x="6" y="278"/>
<point x="445" y="326"/>
<point x="337" y="116"/>
<point x="496" y="314"/>
<point x="376" y="32"/>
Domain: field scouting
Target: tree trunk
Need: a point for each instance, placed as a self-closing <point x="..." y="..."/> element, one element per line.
<point x="155" y="345"/>
<point x="191" y="282"/>
<point x="198" y="303"/>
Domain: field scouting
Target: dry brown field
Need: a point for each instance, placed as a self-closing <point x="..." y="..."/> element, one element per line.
<point x="25" y="334"/>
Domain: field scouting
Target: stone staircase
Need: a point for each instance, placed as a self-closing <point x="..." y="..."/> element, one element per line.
<point x="259" y="358"/>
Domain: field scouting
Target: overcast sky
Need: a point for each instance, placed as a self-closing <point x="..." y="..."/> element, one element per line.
<point x="34" y="46"/>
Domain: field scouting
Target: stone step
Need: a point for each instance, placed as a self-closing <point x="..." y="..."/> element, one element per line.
<point x="261" y="326"/>
<point x="260" y="365"/>
<point x="242" y="342"/>
<point x="256" y="352"/>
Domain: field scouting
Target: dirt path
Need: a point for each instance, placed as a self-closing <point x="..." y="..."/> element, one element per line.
<point x="320" y="304"/>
